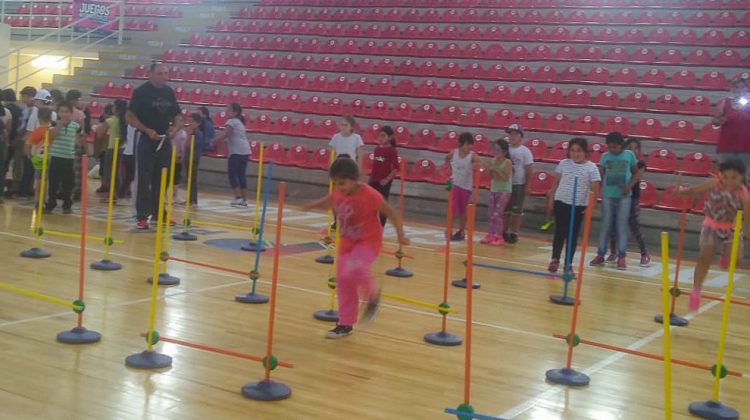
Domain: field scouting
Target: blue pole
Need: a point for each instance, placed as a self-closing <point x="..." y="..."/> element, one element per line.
<point x="568" y="253"/>
<point x="266" y="187"/>
<point x="517" y="270"/>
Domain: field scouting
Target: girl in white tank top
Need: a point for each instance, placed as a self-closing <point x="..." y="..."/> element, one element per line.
<point x="462" y="161"/>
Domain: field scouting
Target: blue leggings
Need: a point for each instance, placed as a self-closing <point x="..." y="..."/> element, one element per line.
<point x="237" y="171"/>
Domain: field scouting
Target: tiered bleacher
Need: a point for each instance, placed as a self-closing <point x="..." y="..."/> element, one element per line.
<point x="653" y="70"/>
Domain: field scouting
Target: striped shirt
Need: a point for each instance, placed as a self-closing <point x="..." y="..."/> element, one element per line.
<point x="64" y="145"/>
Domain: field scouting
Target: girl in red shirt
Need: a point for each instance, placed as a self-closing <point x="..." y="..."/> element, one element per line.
<point x="357" y="207"/>
<point x="385" y="165"/>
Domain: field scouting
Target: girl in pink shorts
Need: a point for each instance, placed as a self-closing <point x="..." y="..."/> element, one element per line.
<point x="725" y="195"/>
<point x="462" y="161"/>
<point x="357" y="207"/>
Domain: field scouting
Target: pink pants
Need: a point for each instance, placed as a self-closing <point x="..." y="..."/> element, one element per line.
<point x="352" y="276"/>
<point x="461" y="198"/>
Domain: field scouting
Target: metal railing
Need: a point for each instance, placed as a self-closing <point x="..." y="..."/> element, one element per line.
<point x="70" y="45"/>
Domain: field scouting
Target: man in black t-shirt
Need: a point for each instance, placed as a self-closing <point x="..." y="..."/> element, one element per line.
<point x="153" y="108"/>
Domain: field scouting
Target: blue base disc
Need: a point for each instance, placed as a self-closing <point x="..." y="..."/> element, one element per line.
<point x="441" y="338"/>
<point x="568" y="377"/>
<point x="713" y="410"/>
<point x="79" y="336"/>
<point x="106" y="265"/>
<point x="327" y="315"/>
<point x="184" y="236"/>
<point x="148" y="360"/>
<point x="399" y="272"/>
<point x="562" y="300"/>
<point x="461" y="284"/>
<point x="36" y="253"/>
<point x="251" y="298"/>
<point x="253" y="246"/>
<point x="166" y="280"/>
<point x="266" y="390"/>
<point x="325" y="259"/>
<point x="674" y="320"/>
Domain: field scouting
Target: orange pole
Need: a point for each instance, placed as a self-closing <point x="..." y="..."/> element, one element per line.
<point x="402" y="178"/>
<point x="212" y="266"/>
<point x="82" y="254"/>
<point x="579" y="280"/>
<point x="721" y="299"/>
<point x="469" y="294"/>
<point x="217" y="350"/>
<point x="447" y="256"/>
<point x="678" y="261"/>
<point x="275" y="279"/>
<point x="648" y="355"/>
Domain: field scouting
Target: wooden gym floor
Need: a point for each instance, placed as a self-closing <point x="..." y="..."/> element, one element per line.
<point x="382" y="372"/>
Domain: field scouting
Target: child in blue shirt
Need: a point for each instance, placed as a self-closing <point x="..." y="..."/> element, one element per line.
<point x="617" y="167"/>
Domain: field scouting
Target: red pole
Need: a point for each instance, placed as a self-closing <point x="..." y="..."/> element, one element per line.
<point x="275" y="279"/>
<point x="82" y="254"/>
<point x="447" y="255"/>
<point x="579" y="280"/>
<point x="469" y="294"/>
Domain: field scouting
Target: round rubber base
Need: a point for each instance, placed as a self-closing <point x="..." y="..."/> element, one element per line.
<point x="79" y="336"/>
<point x="325" y="259"/>
<point x="251" y="298"/>
<point x="567" y="376"/>
<point x="674" y="320"/>
<point x="106" y="265"/>
<point x="184" y="236"/>
<point x="441" y="338"/>
<point x="253" y="246"/>
<point x="399" y="272"/>
<point x="35" y="253"/>
<point x="266" y="390"/>
<point x="562" y="300"/>
<point x="166" y="280"/>
<point x="461" y="284"/>
<point x="148" y="360"/>
<point x="327" y="315"/>
<point x="713" y="410"/>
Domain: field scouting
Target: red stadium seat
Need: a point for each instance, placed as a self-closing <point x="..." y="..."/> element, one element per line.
<point x="297" y="156"/>
<point x="327" y="128"/>
<point x="670" y="201"/>
<point x="450" y="114"/>
<point x="426" y="113"/>
<point x="447" y="142"/>
<point x="591" y="54"/>
<point x="635" y="101"/>
<point x="558" y="152"/>
<point x="538" y="148"/>
<point x="729" y="58"/>
<point x="545" y="74"/>
<point x="585" y="124"/>
<point x="712" y="81"/>
<point x="321" y="159"/>
<point x="616" y="123"/>
<point x="541" y="183"/>
<point x="681" y="131"/>
<point x="698" y="105"/>
<point x="423" y="139"/>
<point x="423" y="170"/>
<point x="450" y="90"/>
<point x="653" y="77"/>
<point x="402" y="135"/>
<point x="371" y="135"/>
<point x="658" y="36"/>
<point x="427" y="89"/>
<point x="682" y="79"/>
<point x="551" y="96"/>
<point x="475" y="117"/>
<point x="643" y="55"/>
<point x="521" y="73"/>
<point x="530" y="120"/>
<point x="571" y="74"/>
<point x="625" y="76"/>
<point x="696" y="164"/>
<point x="558" y="122"/>
<point x="648" y="194"/>
<point x="666" y="103"/>
<point x="502" y="118"/>
<point x="525" y="95"/>
<point x="698" y="57"/>
<point x="597" y="75"/>
<point x="596" y="151"/>
<point x="661" y="161"/>
<point x="357" y="107"/>
<point x="276" y="153"/>
<point x="606" y="99"/>
<point x="617" y="54"/>
<point x="380" y="109"/>
<point x="578" y="97"/>
<point x="648" y="128"/>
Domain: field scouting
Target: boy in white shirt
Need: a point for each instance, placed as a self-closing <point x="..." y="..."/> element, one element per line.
<point x="523" y="169"/>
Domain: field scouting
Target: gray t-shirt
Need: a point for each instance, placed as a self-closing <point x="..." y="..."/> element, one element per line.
<point x="521" y="157"/>
<point x="237" y="141"/>
<point x="346" y="145"/>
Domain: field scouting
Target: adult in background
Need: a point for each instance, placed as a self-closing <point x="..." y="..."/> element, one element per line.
<point x="11" y="119"/>
<point x="73" y="97"/>
<point x="152" y="109"/>
<point x="733" y="116"/>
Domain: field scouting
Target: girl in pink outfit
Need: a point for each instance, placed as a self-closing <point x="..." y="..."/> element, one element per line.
<point x="357" y="207"/>
<point x="726" y="194"/>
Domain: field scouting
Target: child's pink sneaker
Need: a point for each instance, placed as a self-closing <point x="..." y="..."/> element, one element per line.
<point x="488" y="239"/>
<point x="498" y="241"/>
<point x="694" y="301"/>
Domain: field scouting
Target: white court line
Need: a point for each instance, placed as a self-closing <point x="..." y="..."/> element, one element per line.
<point x="557" y="389"/>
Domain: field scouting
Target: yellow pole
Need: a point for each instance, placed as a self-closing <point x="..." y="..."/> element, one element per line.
<point x="334" y="265"/>
<point x="416" y="302"/>
<point x="258" y="188"/>
<point x="330" y="211"/>
<point x="186" y="215"/>
<point x="157" y="259"/>
<point x="39" y="296"/>
<point x="42" y="191"/>
<point x="77" y="236"/>
<point x="727" y="303"/>
<point x="112" y="183"/>
<point x="168" y="222"/>
<point x="666" y="311"/>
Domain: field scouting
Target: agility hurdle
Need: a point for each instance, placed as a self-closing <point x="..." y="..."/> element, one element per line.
<point x="400" y="271"/>
<point x="328" y="258"/>
<point x="185" y="235"/>
<point x="164" y="278"/>
<point x="106" y="264"/>
<point x="78" y="334"/>
<point x="465" y="410"/>
<point x="331" y="314"/>
<point x="674" y="319"/>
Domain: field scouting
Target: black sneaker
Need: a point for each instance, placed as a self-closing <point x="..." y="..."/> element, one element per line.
<point x="512" y="238"/>
<point x="339" y="331"/>
<point x="371" y="309"/>
<point x="458" y="236"/>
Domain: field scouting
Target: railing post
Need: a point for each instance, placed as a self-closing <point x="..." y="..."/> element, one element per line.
<point x="18" y="61"/>
<point x="121" y="21"/>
